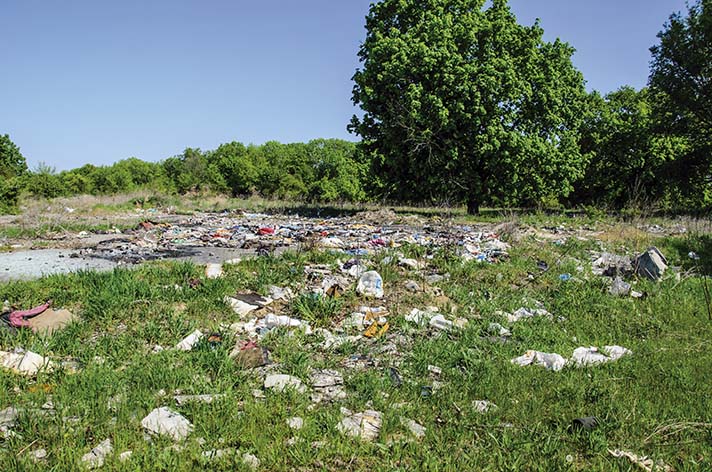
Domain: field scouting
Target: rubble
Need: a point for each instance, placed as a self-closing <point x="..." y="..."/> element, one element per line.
<point x="95" y="457"/>
<point x="24" y="362"/>
<point x="551" y="361"/>
<point x="280" y="382"/>
<point x="163" y="421"/>
<point x="327" y="385"/>
<point x="585" y="356"/>
<point x="365" y="425"/>
<point x="651" y="264"/>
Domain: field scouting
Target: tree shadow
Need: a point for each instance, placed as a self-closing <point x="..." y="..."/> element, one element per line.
<point x="701" y="246"/>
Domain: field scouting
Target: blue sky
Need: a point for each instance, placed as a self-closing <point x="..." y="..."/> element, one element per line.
<point x="94" y="82"/>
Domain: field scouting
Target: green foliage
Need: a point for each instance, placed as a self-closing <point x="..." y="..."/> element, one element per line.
<point x="680" y="79"/>
<point x="317" y="309"/>
<point x="12" y="165"/>
<point x="461" y="103"/>
<point x="618" y="139"/>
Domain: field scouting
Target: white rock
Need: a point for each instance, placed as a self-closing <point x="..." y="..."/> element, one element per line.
<point x="213" y="271"/>
<point x="205" y="398"/>
<point x="124" y="456"/>
<point x="365" y="425"/>
<point x="279" y="382"/>
<point x="295" y="422"/>
<point x="585" y="356"/>
<point x="417" y="429"/>
<point x="95" y="457"/>
<point x="24" y="362"/>
<point x="252" y="461"/>
<point x="164" y="421"/>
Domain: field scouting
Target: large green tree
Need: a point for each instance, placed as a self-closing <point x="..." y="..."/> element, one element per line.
<point x="681" y="80"/>
<point x="462" y="103"/>
<point x="12" y="167"/>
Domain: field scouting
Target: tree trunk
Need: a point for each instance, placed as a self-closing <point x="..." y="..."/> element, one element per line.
<point x="473" y="206"/>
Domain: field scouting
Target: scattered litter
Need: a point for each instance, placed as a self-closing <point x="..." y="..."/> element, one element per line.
<point x="565" y="277"/>
<point x="523" y="312"/>
<point x="365" y="425"/>
<point x="421" y="317"/>
<point x="217" y="453"/>
<point x="611" y="265"/>
<point x="332" y="242"/>
<point x="412" y="286"/>
<point x="416" y="429"/>
<point x="18" y="318"/>
<point x="650" y="264"/>
<point x="439" y="322"/>
<point x="585" y="356"/>
<point x="395" y="376"/>
<point x="204" y="398"/>
<point x="295" y="422"/>
<point x="586" y="423"/>
<point x="435" y="370"/>
<point x="24" y="362"/>
<point x="370" y="284"/>
<point x="95" y="457"/>
<point x="499" y="330"/>
<point x="213" y="271"/>
<point x="693" y="255"/>
<point x="643" y="462"/>
<point x="245" y="303"/>
<point x="483" y="406"/>
<point x="551" y="361"/>
<point x="190" y="341"/>
<point x="124" y="456"/>
<point x="39" y="454"/>
<point x="164" y="421"/>
<point x="280" y="382"/>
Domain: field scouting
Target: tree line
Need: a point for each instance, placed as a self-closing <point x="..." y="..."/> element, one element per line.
<point x="462" y="104"/>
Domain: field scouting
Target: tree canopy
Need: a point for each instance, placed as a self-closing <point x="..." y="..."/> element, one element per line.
<point x="462" y="103"/>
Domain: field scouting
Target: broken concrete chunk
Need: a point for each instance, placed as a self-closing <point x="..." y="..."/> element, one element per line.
<point x="164" y="421"/>
<point x="439" y="322"/>
<point x="499" y="330"/>
<point x="190" y="341"/>
<point x="327" y="385"/>
<point x="24" y="362"/>
<point x="280" y="382"/>
<point x="95" y="457"/>
<point x="204" y="398"/>
<point x="619" y="288"/>
<point x="416" y="429"/>
<point x="551" y="361"/>
<point x="370" y="284"/>
<point x="651" y="264"/>
<point x="365" y="425"/>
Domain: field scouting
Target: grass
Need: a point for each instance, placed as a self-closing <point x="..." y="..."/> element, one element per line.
<point x="655" y="402"/>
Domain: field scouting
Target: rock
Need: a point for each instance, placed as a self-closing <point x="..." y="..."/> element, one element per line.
<point x="95" y="457"/>
<point x="415" y="428"/>
<point x="365" y="425"/>
<point x="8" y="418"/>
<point x="164" y="421"/>
<point x="585" y="356"/>
<point x="619" y="288"/>
<point x="124" y="456"/>
<point x="651" y="264"/>
<point x="327" y="385"/>
<point x="24" y="362"/>
<point x="213" y="271"/>
<point x="252" y="461"/>
<point x="39" y="454"/>
<point x="205" y="398"/>
<point x="279" y="382"/>
<point x="295" y="422"/>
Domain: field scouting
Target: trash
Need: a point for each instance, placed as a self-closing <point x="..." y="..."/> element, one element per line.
<point x="295" y="422"/>
<point x="483" y="406"/>
<point x="39" y="454"/>
<point x="643" y="462"/>
<point x="190" y="341"/>
<point x="164" y="421"/>
<point x="204" y="398"/>
<point x="213" y="271"/>
<point x="585" y="356"/>
<point x="365" y="425"/>
<point x="18" y="319"/>
<point x="611" y="265"/>
<point x="421" y="317"/>
<point x="619" y="288"/>
<point x="280" y="382"/>
<point x="693" y="255"/>
<point x="332" y="242"/>
<point x="565" y="277"/>
<point x="124" y="456"/>
<point x="95" y="457"/>
<point x="245" y="303"/>
<point x="542" y="266"/>
<point x="412" y="286"/>
<point x="49" y="321"/>
<point x="522" y="313"/>
<point x="248" y="355"/>
<point x="215" y="340"/>
<point x="395" y="377"/>
<point x="426" y="391"/>
<point x="551" y="361"/>
<point x="439" y="322"/>
<point x="376" y="330"/>
<point x="24" y="362"/>
<point x="217" y="453"/>
<point x="370" y="284"/>
<point x="435" y="370"/>
<point x="586" y="422"/>
<point x="409" y="263"/>
<point x="265" y="231"/>
<point x="327" y="385"/>
<point x="650" y="264"/>
<point x="252" y="461"/>
<point x="416" y="429"/>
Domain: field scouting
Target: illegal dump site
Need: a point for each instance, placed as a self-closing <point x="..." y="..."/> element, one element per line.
<point x="375" y="340"/>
